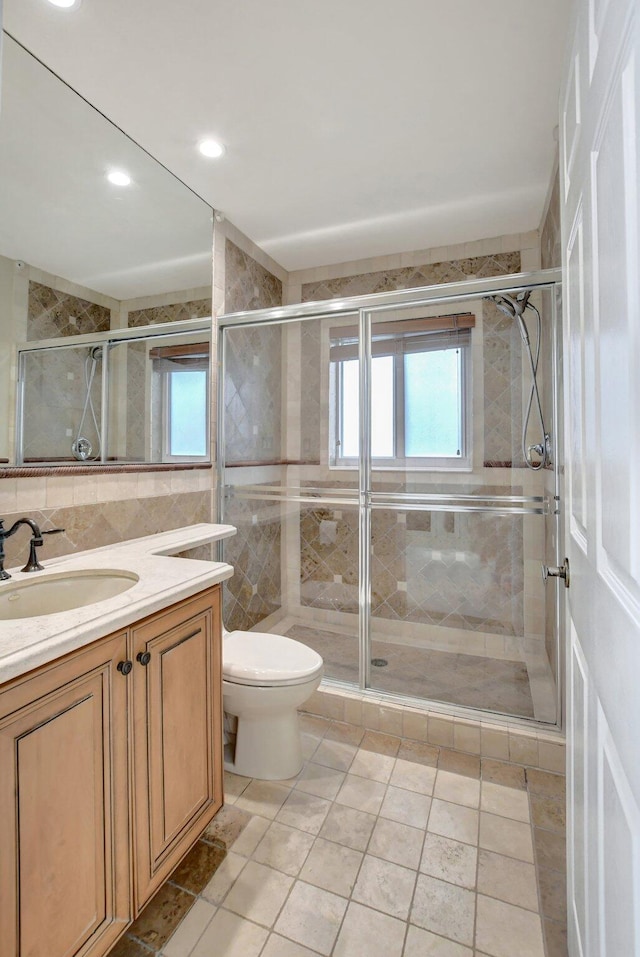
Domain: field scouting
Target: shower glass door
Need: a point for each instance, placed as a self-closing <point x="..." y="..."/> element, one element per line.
<point x="459" y="525"/>
<point x="296" y="553"/>
<point x="372" y="462"/>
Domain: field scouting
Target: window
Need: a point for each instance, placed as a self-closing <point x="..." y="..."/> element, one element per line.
<point x="183" y="372"/>
<point x="186" y="420"/>
<point x="420" y="385"/>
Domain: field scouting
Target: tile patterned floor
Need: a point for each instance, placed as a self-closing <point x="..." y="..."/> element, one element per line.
<point x="381" y="846"/>
<point x="473" y="681"/>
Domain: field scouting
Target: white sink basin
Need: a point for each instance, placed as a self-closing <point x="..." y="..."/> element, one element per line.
<point x="61" y="592"/>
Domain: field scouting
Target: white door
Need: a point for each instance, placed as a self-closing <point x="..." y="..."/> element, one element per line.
<point x="600" y="128"/>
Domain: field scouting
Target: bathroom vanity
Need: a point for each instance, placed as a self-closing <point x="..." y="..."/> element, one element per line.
<point x="110" y="744"/>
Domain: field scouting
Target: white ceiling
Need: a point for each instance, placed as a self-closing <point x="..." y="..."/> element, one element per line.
<point x="353" y="127"/>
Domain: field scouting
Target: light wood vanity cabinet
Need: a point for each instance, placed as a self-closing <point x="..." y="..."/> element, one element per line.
<point x="177" y="732"/>
<point x="107" y="777"/>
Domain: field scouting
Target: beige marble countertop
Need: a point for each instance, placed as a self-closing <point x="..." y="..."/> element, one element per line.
<point x="27" y="643"/>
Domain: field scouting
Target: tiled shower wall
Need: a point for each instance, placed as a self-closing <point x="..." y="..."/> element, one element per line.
<point x="327" y="570"/>
<point x="53" y="313"/>
<point x="462" y="571"/>
<point x="245" y="278"/>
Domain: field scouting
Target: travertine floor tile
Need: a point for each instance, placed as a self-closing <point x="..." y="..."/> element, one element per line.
<point x="361" y="794"/>
<point x="347" y="733"/>
<point x="335" y="754"/>
<point x="444" y="909"/>
<point x="413" y="777"/>
<point x="385" y="886"/>
<point x="263" y="798"/>
<point x="503" y="930"/>
<point x="312" y="916"/>
<point x="499" y="772"/>
<point x="278" y="946"/>
<point x="419" y="753"/>
<point x="369" y="764"/>
<point x="305" y="811"/>
<point x="507" y="802"/>
<point x="422" y="943"/>
<point x="189" y="930"/>
<point x="449" y="860"/>
<point x="548" y="812"/>
<point x="227" y="826"/>
<point x="396" y="835"/>
<point x="258" y="893"/>
<point x="555" y="936"/>
<point x="396" y="842"/>
<point x="160" y="918"/>
<point x="507" y="879"/>
<point x="553" y="899"/>
<point x="251" y="836"/>
<point x="285" y="848"/>
<point x="345" y="825"/>
<point x="314" y="724"/>
<point x="198" y="867"/>
<point x="454" y="821"/>
<point x="228" y="935"/>
<point x="319" y="780"/>
<point x="459" y="763"/>
<point x="234" y="785"/>
<point x="332" y="866"/>
<point x="546" y="783"/>
<point x="127" y="947"/>
<point x="457" y="789"/>
<point x="366" y="931"/>
<point x="504" y="836"/>
<point x="218" y="887"/>
<point x="550" y="849"/>
<point x="380" y="743"/>
<point x="407" y="807"/>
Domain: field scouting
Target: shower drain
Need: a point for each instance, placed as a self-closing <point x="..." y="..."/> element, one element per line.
<point x="379" y="662"/>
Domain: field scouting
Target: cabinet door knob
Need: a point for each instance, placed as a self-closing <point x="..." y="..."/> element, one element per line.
<point x="124" y="667"/>
<point x="144" y="657"/>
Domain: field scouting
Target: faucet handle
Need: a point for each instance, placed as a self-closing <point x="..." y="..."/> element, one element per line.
<point x="52" y="531"/>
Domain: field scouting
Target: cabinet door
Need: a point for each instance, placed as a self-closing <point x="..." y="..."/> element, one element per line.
<point x="64" y="859"/>
<point x="177" y="734"/>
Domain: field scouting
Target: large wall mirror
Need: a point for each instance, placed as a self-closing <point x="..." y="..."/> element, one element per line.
<point x="105" y="289"/>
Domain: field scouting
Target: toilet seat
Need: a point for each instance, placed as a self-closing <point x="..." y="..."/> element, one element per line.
<point x="262" y="659"/>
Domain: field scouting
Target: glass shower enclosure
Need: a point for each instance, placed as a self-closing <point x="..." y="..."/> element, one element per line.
<point x="372" y="458"/>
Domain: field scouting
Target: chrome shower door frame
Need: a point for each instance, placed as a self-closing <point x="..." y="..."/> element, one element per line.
<point x="368" y="500"/>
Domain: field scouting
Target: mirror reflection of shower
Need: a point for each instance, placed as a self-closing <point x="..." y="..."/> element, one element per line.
<point x="515" y="307"/>
<point x="81" y="446"/>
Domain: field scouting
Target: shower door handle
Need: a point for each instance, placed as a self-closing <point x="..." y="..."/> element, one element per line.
<point x="557" y="571"/>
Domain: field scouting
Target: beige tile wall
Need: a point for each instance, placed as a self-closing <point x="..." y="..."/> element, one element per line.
<point x="102" y="509"/>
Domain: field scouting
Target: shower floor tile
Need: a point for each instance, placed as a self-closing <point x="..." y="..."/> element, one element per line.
<point x="431" y="883"/>
<point x="491" y="684"/>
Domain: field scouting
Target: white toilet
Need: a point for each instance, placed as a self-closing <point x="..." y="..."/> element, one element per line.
<point x="265" y="678"/>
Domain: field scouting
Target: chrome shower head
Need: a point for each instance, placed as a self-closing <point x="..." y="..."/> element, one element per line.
<point x="513" y="307"/>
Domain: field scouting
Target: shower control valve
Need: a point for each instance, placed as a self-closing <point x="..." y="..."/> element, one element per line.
<point x="557" y="571"/>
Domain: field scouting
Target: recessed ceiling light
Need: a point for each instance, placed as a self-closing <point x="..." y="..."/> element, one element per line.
<point x="211" y="148"/>
<point x="65" y="3"/>
<point x="119" y="178"/>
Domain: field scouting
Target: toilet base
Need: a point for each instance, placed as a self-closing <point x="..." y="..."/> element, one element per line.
<point x="267" y="747"/>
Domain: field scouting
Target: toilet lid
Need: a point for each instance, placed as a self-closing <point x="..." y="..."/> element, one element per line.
<point x="254" y="657"/>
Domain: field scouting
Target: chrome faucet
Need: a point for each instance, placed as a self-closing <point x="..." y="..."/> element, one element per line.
<point x="33" y="565"/>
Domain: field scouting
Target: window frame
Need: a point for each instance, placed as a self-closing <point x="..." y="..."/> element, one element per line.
<point x="462" y="462"/>
<point x="195" y="365"/>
